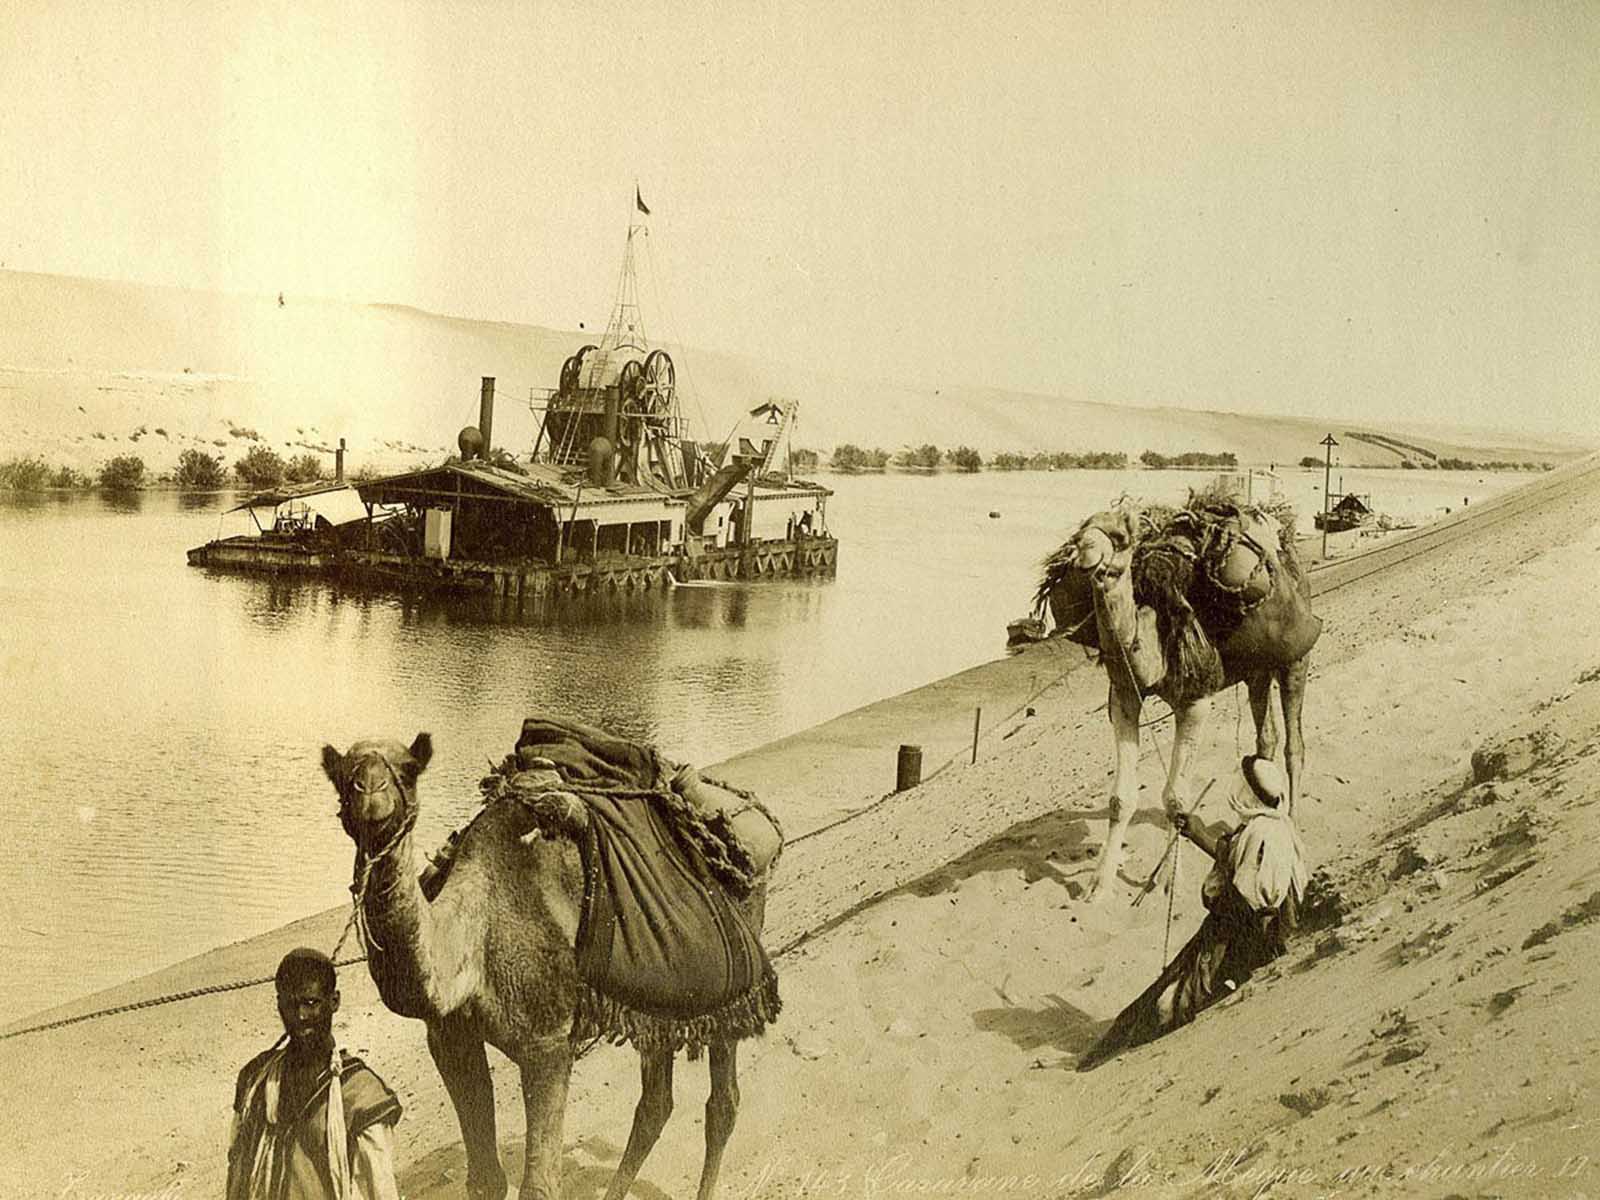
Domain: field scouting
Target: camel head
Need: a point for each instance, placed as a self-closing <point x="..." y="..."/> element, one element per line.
<point x="377" y="784"/>
<point x="1104" y="543"/>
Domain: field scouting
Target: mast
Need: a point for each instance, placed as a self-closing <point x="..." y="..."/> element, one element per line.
<point x="625" y="330"/>
<point x="621" y="389"/>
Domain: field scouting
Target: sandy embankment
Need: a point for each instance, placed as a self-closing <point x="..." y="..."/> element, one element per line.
<point x="929" y="1037"/>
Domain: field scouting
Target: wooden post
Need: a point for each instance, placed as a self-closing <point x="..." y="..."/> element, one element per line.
<point x="908" y="768"/>
<point x="977" y="721"/>
<point x="1327" y="467"/>
<point x="745" y="530"/>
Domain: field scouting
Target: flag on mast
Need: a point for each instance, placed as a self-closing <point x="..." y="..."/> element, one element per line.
<point x="639" y="200"/>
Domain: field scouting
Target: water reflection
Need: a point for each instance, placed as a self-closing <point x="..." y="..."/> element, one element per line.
<point x="710" y="608"/>
<point x="268" y="600"/>
<point x="201" y="501"/>
<point x="122" y="501"/>
<point x="26" y="502"/>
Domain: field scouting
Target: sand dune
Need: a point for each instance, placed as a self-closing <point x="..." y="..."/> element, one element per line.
<point x="92" y="368"/>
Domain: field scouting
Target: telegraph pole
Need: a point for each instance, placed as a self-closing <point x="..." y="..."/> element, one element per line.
<point x="1328" y="443"/>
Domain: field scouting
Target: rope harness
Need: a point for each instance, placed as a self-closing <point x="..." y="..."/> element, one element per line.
<point x="366" y="861"/>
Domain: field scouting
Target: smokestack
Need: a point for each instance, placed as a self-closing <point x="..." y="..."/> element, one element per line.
<point x="486" y="414"/>
<point x="338" y="463"/>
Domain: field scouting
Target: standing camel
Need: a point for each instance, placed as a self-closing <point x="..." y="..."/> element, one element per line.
<point x="489" y="957"/>
<point x="1214" y="597"/>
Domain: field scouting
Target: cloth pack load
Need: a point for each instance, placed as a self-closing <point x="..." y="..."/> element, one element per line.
<point x="1197" y="573"/>
<point x="669" y="952"/>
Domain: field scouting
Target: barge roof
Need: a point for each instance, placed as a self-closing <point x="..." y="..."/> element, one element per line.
<point x="532" y="483"/>
<point x="536" y="483"/>
<point x="273" y="497"/>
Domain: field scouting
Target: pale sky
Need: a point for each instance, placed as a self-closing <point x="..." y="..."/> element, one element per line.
<point x="1373" y="210"/>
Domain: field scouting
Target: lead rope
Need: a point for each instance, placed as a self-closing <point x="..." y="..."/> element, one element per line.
<point x="1172" y="880"/>
<point x="1172" y="892"/>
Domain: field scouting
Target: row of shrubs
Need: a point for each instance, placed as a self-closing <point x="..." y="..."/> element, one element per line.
<point x="196" y="471"/>
<point x="851" y="458"/>
<point x="1446" y="464"/>
<point x="1467" y="464"/>
<point x="1190" y="458"/>
<point x="1060" y="460"/>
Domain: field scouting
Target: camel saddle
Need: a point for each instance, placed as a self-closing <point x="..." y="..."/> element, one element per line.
<point x="587" y="755"/>
<point x="1248" y="585"/>
<point x="1213" y="582"/>
<point x="667" y="955"/>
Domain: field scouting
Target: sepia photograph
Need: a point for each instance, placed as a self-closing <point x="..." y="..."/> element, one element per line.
<point x="831" y="601"/>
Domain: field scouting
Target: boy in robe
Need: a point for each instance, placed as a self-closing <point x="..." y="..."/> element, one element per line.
<point x="1252" y="897"/>
<point x="310" y="1122"/>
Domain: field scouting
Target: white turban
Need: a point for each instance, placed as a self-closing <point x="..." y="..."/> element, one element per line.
<point x="1268" y="860"/>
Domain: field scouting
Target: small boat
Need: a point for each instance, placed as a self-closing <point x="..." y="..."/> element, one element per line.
<point x="674" y="582"/>
<point x="1025" y="630"/>
<point x="310" y="527"/>
<point x="1350" y="511"/>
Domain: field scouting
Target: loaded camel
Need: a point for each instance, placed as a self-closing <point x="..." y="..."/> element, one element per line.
<point x="1213" y="597"/>
<point x="489" y="956"/>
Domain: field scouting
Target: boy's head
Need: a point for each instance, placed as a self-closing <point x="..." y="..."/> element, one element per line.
<point x="1265" y="779"/>
<point x="308" y="996"/>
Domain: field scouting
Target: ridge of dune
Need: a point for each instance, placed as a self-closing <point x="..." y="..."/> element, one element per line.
<point x="93" y="368"/>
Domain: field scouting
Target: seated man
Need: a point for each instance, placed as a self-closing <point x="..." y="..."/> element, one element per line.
<point x="1252" y="897"/>
<point x="309" y="1121"/>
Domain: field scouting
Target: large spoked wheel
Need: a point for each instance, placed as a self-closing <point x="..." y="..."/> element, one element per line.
<point x="572" y="370"/>
<point x="659" y="385"/>
<point x="630" y="383"/>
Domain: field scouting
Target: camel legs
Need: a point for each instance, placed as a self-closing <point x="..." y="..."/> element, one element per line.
<point x="649" y="1118"/>
<point x="1292" y="691"/>
<point x="1190" y="725"/>
<point x="1260" y="688"/>
<point x="722" y="1109"/>
<point x="457" y="1051"/>
<point x="545" y="1072"/>
<point x="1123" y="706"/>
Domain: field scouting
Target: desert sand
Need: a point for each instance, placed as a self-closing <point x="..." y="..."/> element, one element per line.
<point x="1431" y="1032"/>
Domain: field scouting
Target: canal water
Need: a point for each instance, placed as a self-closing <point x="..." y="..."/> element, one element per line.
<point x="160" y="727"/>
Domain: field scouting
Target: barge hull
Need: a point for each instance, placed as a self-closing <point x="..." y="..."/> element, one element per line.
<point x="761" y="559"/>
<point x="251" y="554"/>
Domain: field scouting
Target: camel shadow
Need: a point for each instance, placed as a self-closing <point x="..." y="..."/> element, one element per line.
<point x="1045" y="847"/>
<point x="441" y="1174"/>
<point x="1058" y="1024"/>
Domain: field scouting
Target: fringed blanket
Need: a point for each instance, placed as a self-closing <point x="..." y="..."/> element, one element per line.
<point x="666" y="956"/>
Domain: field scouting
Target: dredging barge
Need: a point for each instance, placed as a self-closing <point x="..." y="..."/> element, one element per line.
<point x="614" y="496"/>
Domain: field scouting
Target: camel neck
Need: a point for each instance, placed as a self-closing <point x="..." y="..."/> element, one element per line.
<point x="396" y="919"/>
<point x="413" y="954"/>
<point x="1115" y="613"/>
